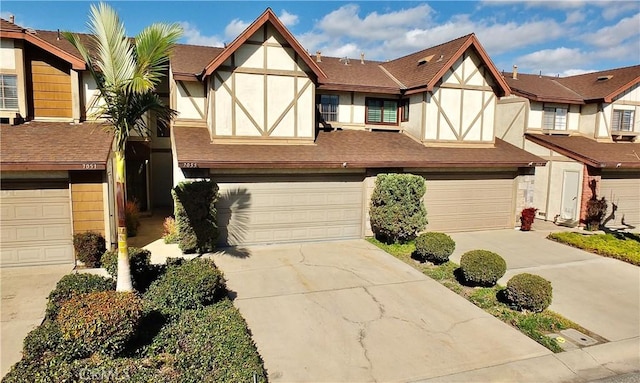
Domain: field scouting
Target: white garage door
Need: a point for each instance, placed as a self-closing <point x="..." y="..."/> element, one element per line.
<point x="469" y="202"/>
<point x="36" y="227"/>
<point x="623" y="189"/>
<point x="269" y="210"/>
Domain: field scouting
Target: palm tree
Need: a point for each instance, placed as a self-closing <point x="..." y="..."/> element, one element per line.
<point x="126" y="73"/>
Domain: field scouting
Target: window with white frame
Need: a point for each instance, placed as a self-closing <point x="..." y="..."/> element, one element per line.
<point x="554" y="118"/>
<point x="622" y="120"/>
<point x="8" y="91"/>
<point x="328" y="106"/>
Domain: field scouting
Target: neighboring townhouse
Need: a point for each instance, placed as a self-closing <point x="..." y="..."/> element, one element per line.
<point x="586" y="126"/>
<point x="295" y="140"/>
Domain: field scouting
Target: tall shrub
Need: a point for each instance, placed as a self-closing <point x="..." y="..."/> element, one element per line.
<point x="397" y="211"/>
<point x="195" y="214"/>
<point x="596" y="211"/>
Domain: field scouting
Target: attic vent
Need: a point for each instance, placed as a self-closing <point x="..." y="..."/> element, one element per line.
<point x="425" y="60"/>
<point x="440" y="58"/>
<point x="604" y="78"/>
<point x="345" y="60"/>
<point x="31" y="31"/>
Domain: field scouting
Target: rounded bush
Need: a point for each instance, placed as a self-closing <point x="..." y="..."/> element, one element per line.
<point x="142" y="272"/>
<point x="192" y="284"/>
<point x="482" y="267"/>
<point x="74" y="284"/>
<point x="529" y="292"/>
<point x="89" y="247"/>
<point x="100" y="322"/>
<point x="434" y="247"/>
<point x="42" y="339"/>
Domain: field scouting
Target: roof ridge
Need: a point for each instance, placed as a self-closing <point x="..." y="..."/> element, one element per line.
<point x="569" y="89"/>
<point x="402" y="86"/>
<point x="431" y="47"/>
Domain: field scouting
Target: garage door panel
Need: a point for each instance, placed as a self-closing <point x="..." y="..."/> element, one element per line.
<point x="289" y="211"/>
<point x="623" y="189"/>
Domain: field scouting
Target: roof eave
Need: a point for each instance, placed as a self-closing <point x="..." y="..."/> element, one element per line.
<point x="564" y="151"/>
<point x="76" y="63"/>
<point x="50" y="165"/>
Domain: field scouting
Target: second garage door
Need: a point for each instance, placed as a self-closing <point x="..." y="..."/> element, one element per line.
<point x="36" y="225"/>
<point x="460" y="202"/>
<point x="623" y="189"/>
<point x="262" y="209"/>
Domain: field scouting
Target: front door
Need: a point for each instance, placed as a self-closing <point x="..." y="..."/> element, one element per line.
<point x="570" y="186"/>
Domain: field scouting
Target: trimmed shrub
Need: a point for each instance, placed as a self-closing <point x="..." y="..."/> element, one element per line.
<point x="434" y="247"/>
<point x="89" y="247"/>
<point x="42" y="339"/>
<point x="195" y="214"/>
<point x="74" y="284"/>
<point x="482" y="267"/>
<point x="596" y="211"/>
<point x="527" y="216"/>
<point x="397" y="211"/>
<point x="132" y="218"/>
<point x="170" y="231"/>
<point x="142" y="271"/>
<point x="190" y="285"/>
<point x="100" y="322"/>
<point x="529" y="292"/>
<point x="212" y="344"/>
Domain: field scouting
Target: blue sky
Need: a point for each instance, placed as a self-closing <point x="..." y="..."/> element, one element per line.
<point x="554" y="37"/>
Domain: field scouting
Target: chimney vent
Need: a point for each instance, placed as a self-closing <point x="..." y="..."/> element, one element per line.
<point x="58" y="36"/>
<point x="318" y="56"/>
<point x="362" y="58"/>
<point x="12" y="19"/>
<point x="515" y="72"/>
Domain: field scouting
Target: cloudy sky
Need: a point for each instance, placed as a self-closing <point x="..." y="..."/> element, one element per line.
<point x="553" y="37"/>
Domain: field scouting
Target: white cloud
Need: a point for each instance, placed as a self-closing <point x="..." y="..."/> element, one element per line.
<point x="575" y="72"/>
<point x="575" y="17"/>
<point x="615" y="34"/>
<point x="288" y="19"/>
<point x="613" y="9"/>
<point x="347" y="50"/>
<point x="192" y="35"/>
<point x="234" y="28"/>
<point x="552" y="61"/>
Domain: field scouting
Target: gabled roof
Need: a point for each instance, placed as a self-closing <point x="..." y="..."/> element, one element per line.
<point x="597" y="154"/>
<point x="422" y="70"/>
<point x="356" y="76"/>
<point x="187" y="61"/>
<point x="604" y="85"/>
<point x="357" y="148"/>
<point x="542" y="88"/>
<point x="45" y="40"/>
<point x="54" y="146"/>
<point x="267" y="16"/>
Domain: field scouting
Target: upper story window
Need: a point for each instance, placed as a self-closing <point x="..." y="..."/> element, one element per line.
<point x="8" y="91"/>
<point x="404" y="110"/>
<point x="622" y="120"/>
<point x="328" y="106"/>
<point x="380" y="111"/>
<point x="554" y="118"/>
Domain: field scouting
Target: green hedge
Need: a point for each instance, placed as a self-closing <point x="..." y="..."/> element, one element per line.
<point x="529" y="292"/>
<point x="434" y="247"/>
<point x="482" y="267"/>
<point x="397" y="211"/>
<point x="142" y="271"/>
<point x="210" y="344"/>
<point x="196" y="214"/>
<point x="74" y="284"/>
<point x="89" y="247"/>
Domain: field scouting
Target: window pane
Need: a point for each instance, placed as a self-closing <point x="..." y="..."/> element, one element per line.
<point x="390" y="112"/>
<point x="616" y="120"/>
<point x="561" y="119"/>
<point x="627" y="120"/>
<point x="8" y="92"/>
<point x="548" y="118"/>
<point x="374" y="114"/>
<point x="9" y="80"/>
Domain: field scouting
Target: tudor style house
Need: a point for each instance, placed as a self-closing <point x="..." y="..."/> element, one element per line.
<point x="586" y="126"/>
<point x="294" y="140"/>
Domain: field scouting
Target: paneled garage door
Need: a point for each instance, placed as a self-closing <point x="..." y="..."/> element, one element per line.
<point x="36" y="226"/>
<point x="623" y="189"/>
<point x="469" y="202"/>
<point x="289" y="209"/>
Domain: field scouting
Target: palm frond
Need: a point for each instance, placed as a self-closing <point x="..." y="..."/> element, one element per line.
<point x="153" y="46"/>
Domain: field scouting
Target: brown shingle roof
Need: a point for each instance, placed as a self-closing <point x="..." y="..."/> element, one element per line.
<point x="591" y="152"/>
<point x="6" y="25"/>
<point x="367" y="77"/>
<point x="542" y="88"/>
<point x="190" y="60"/>
<point x="358" y="149"/>
<point x="590" y="88"/>
<point x="54" y="146"/>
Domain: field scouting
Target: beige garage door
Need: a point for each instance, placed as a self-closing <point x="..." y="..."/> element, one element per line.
<point x="469" y="202"/>
<point x="276" y="210"/>
<point x="623" y="189"/>
<point x="36" y="226"/>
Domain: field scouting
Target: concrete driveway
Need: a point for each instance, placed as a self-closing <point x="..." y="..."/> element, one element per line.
<point x="24" y="301"/>
<point x="348" y="312"/>
<point x="601" y="294"/>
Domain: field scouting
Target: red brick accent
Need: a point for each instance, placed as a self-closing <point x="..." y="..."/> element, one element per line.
<point x="589" y="174"/>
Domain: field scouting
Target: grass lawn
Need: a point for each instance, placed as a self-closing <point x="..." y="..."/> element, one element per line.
<point x="623" y="247"/>
<point x="534" y="325"/>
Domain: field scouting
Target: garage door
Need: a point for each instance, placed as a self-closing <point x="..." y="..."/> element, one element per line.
<point x="36" y="226"/>
<point x="623" y="189"/>
<point x="469" y="202"/>
<point x="269" y="210"/>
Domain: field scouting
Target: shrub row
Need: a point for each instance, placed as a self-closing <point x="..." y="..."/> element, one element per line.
<point x="74" y="284"/>
<point x="434" y="247"/>
<point x="196" y="214"/>
<point x="482" y="267"/>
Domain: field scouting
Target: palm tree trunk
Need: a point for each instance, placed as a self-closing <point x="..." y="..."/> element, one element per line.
<point x="124" y="271"/>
